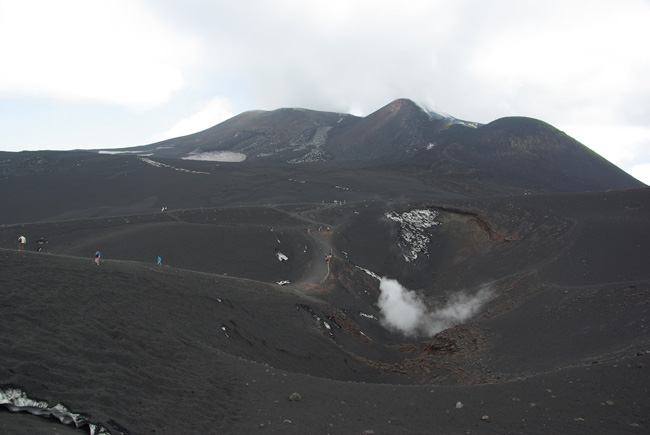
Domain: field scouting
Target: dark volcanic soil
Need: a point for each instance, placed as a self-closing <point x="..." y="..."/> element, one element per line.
<point x="210" y="343"/>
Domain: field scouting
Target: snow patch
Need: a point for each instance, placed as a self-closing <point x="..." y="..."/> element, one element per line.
<point x="367" y="316"/>
<point x="413" y="238"/>
<point x="164" y="165"/>
<point x="373" y="274"/>
<point x="217" y="156"/>
<point x="111" y="152"/>
<point x="435" y="114"/>
<point x="317" y="142"/>
<point x="16" y="400"/>
<point x="281" y="256"/>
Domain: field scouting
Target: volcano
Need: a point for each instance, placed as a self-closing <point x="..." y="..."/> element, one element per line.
<point x="404" y="272"/>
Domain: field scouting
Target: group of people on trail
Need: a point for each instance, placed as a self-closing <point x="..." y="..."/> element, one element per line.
<point x="22" y="241"/>
<point x="98" y="256"/>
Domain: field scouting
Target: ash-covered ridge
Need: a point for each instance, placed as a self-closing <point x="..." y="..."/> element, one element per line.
<point x="505" y="156"/>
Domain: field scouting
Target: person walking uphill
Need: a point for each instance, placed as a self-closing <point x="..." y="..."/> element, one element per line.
<point x="21" y="243"/>
<point x="97" y="257"/>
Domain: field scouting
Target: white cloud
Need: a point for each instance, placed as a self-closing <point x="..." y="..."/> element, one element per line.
<point x="401" y="309"/>
<point x="641" y="172"/>
<point x="620" y="143"/>
<point x="583" y="44"/>
<point x="207" y="115"/>
<point x="111" y="52"/>
<point x="406" y="311"/>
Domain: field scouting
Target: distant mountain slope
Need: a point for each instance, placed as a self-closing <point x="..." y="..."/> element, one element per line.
<point x="283" y="134"/>
<point x="508" y="155"/>
<point x="517" y="153"/>
<point x="393" y="133"/>
<point x="401" y="151"/>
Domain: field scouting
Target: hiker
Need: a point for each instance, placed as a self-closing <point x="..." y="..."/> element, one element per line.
<point x="40" y="242"/>
<point x="97" y="257"/>
<point x="159" y="261"/>
<point x="21" y="243"/>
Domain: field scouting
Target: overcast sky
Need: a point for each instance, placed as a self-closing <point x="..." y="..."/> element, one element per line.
<point x="99" y="74"/>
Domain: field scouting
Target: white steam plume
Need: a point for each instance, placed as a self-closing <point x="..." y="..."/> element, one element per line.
<point x="405" y="310"/>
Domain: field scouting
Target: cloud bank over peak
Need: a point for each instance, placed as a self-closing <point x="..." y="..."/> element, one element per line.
<point x="581" y="66"/>
<point x="205" y="116"/>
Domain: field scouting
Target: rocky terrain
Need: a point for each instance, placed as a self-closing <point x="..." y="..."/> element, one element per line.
<point x="350" y="292"/>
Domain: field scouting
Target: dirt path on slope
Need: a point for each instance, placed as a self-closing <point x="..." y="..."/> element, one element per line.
<point x="319" y="266"/>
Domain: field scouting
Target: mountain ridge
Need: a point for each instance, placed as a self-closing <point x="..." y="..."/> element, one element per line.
<point x="404" y="136"/>
<point x="399" y="151"/>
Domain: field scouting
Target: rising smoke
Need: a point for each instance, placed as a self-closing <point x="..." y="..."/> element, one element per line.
<point x="404" y="310"/>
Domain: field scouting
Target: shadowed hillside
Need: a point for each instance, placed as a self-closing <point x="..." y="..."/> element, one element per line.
<point x="518" y="154"/>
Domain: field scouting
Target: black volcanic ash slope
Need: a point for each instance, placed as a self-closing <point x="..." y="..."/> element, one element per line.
<point x="278" y="135"/>
<point x="137" y="347"/>
<point x="518" y="154"/>
<point x="46" y="186"/>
